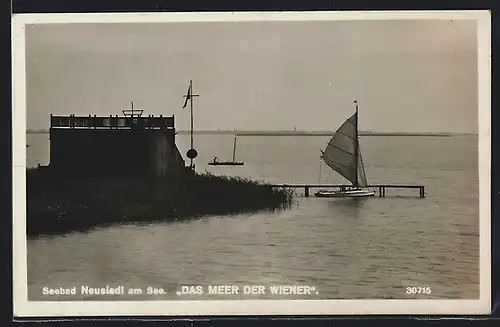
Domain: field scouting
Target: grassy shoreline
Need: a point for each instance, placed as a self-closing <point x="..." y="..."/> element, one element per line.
<point x="59" y="204"/>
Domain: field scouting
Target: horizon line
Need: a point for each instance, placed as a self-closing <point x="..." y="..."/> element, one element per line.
<point x="292" y="132"/>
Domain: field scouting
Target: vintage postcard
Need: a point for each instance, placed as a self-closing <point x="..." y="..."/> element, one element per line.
<point x="305" y="163"/>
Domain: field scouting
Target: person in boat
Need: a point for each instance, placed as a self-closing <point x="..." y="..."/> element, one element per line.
<point x="215" y="160"/>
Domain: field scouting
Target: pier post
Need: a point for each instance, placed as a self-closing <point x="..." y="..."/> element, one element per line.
<point x="422" y="192"/>
<point x="380" y="191"/>
<point x="306" y="191"/>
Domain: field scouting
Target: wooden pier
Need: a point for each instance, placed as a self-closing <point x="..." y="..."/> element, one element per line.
<point x="381" y="187"/>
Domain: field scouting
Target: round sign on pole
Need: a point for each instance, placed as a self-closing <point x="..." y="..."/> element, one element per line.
<point x="192" y="153"/>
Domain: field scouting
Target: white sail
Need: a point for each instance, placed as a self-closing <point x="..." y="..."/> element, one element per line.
<point x="340" y="153"/>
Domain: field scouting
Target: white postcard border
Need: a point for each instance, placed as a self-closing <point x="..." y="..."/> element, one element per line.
<point x="25" y="308"/>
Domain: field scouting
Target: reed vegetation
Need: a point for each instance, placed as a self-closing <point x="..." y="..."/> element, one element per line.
<point x="60" y="204"/>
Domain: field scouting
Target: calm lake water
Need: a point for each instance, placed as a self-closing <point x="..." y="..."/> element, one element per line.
<point x="345" y="248"/>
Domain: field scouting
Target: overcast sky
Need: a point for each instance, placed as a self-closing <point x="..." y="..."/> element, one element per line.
<point x="413" y="75"/>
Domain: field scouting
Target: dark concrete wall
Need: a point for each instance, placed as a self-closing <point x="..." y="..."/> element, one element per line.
<point x="115" y="152"/>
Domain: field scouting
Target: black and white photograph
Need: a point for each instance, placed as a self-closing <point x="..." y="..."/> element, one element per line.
<point x="251" y="163"/>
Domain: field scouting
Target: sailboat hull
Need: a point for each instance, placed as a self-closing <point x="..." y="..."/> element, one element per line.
<point x="226" y="163"/>
<point x="356" y="193"/>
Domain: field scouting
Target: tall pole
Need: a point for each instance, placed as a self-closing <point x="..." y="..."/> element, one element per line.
<point x="189" y="97"/>
<point x="356" y="145"/>
<point x="191" y="105"/>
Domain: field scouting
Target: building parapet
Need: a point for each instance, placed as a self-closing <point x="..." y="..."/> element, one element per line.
<point x="111" y="122"/>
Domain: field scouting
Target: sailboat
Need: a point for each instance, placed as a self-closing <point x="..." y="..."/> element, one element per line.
<point x="215" y="162"/>
<point x="342" y="154"/>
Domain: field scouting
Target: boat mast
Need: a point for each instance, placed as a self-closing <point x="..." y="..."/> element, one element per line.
<point x="356" y="145"/>
<point x="234" y="148"/>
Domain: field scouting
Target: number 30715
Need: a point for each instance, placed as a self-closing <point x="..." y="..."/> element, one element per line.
<point x="413" y="290"/>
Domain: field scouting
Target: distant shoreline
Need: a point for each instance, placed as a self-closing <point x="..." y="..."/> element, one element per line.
<point x="297" y="133"/>
<point x="331" y="133"/>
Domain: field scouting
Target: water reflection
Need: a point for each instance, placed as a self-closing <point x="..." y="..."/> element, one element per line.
<point x="349" y="202"/>
<point x="349" y="208"/>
